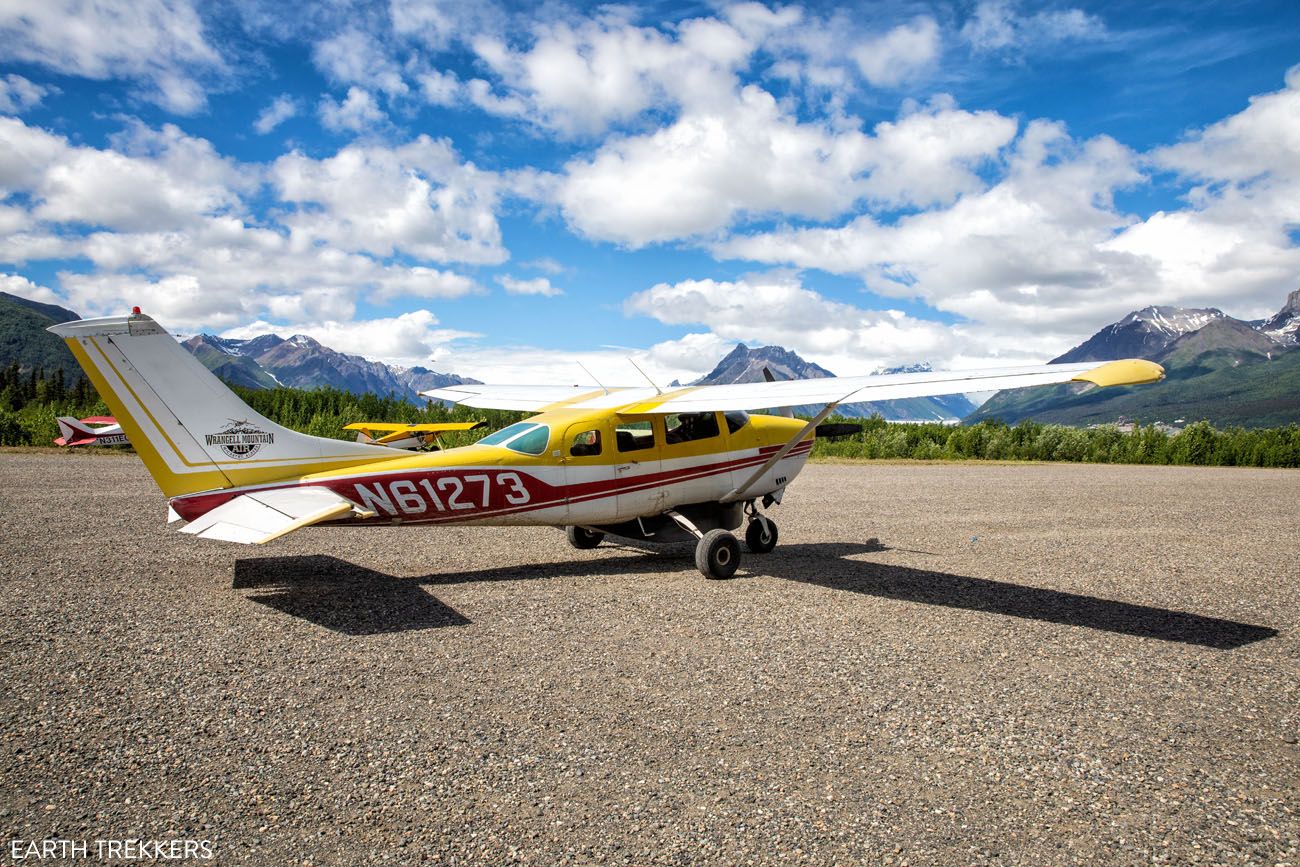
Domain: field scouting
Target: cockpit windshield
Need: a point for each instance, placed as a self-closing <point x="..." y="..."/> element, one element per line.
<point x="736" y="419"/>
<point x="525" y="437"/>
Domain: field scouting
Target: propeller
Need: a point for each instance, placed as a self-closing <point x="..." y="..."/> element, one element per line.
<point x="784" y="411"/>
<point x="835" y="430"/>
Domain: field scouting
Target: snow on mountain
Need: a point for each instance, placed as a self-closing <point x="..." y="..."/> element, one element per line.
<point x="304" y="362"/>
<point x="1284" y="326"/>
<point x="1142" y="334"/>
<point x="1172" y="320"/>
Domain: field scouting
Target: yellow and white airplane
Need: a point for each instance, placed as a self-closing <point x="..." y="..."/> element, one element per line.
<point x="410" y="436"/>
<point x="641" y="463"/>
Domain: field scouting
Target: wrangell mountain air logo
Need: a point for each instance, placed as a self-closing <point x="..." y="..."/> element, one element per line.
<point x="240" y="439"/>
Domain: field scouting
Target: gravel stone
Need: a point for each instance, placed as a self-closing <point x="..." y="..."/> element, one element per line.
<point x="967" y="663"/>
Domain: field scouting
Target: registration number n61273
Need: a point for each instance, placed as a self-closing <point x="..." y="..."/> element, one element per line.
<point x="450" y="492"/>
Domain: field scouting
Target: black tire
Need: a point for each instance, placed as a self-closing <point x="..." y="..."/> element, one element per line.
<point x="717" y="555"/>
<point x="760" y="536"/>
<point x="582" y="538"/>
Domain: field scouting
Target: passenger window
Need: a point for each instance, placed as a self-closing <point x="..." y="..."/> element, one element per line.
<point x="632" y="436"/>
<point x="692" y="426"/>
<point x="586" y="444"/>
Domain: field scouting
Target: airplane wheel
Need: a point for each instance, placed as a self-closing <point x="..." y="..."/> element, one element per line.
<point x="760" y="535"/>
<point x="580" y="537"/>
<point x="717" y="555"/>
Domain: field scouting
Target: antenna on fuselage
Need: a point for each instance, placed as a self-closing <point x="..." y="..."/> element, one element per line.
<point x="657" y="389"/>
<point x="593" y="377"/>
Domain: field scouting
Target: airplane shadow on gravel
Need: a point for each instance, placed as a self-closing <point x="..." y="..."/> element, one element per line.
<point x="342" y="596"/>
<point x="360" y="601"/>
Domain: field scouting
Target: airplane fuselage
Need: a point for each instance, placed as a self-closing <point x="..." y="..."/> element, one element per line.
<point x="586" y="468"/>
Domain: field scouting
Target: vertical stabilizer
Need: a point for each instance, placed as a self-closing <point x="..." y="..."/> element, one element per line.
<point x="193" y="433"/>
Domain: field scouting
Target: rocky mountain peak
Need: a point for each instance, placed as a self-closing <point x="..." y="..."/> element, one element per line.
<point x="745" y="364"/>
<point x="1284" y="326"/>
<point x="1171" y="320"/>
<point x="917" y="367"/>
<point x="1143" y="333"/>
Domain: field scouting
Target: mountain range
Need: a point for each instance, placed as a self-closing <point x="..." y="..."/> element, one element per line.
<point x="1224" y="370"/>
<point x="303" y="362"/>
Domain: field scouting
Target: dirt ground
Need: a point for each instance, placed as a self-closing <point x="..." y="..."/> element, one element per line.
<point x="940" y="663"/>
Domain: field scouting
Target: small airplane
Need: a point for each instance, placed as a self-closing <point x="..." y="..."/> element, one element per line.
<point x="401" y="435"/>
<point x="642" y="463"/>
<point x="78" y="432"/>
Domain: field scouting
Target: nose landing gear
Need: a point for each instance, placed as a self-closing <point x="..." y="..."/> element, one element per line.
<point x="760" y="535"/>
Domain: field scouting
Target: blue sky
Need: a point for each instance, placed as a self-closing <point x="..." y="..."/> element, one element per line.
<point x="504" y="190"/>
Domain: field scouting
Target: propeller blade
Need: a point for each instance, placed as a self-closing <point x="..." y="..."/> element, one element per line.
<point x="834" y="430"/>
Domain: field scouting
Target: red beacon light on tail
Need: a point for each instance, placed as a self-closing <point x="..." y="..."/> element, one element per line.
<point x="135" y="311"/>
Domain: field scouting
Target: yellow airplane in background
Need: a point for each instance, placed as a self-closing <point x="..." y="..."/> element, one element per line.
<point x="401" y="435"/>
<point x="642" y="463"/>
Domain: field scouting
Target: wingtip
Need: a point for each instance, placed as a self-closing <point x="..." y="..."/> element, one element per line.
<point x="1129" y="371"/>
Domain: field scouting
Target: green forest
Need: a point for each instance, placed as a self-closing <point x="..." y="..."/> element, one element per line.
<point x="30" y="401"/>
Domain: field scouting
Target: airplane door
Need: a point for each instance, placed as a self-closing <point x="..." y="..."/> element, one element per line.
<point x="589" y="460"/>
<point x="638" y="455"/>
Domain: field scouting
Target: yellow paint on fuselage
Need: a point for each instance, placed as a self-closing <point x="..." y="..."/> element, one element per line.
<point x="762" y="430"/>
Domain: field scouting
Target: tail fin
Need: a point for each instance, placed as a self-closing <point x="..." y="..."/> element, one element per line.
<point x="72" y="432"/>
<point x="193" y="433"/>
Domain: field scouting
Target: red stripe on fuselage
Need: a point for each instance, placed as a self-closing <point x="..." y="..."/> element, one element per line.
<point x="542" y="494"/>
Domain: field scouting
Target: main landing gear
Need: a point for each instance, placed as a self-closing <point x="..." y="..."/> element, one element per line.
<point x="717" y="553"/>
<point x="582" y="538"/>
<point x="717" y="550"/>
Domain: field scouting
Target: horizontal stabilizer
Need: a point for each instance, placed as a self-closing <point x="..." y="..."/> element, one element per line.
<point x="260" y="516"/>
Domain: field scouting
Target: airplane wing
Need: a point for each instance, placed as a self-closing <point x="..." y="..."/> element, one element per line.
<point x="260" y="516"/>
<point x="798" y="392"/>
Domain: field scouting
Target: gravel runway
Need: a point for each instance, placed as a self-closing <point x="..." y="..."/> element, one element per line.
<point x="940" y="664"/>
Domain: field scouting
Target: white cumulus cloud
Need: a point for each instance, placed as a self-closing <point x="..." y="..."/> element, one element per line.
<point x="159" y="44"/>
<point x="536" y="286"/>
<point x="776" y="308"/>
<point x="697" y="175"/>
<point x="416" y="198"/>
<point x="17" y="94"/>
<point x="997" y="26"/>
<point x="900" y="54"/>
<point x="411" y="339"/>
<point x="357" y="113"/>
<point x="277" y="112"/>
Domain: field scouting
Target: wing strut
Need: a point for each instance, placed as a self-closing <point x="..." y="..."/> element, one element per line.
<point x="739" y="492"/>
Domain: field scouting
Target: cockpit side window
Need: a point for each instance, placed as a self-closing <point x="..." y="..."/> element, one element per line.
<point x="586" y="444"/>
<point x="690" y="426"/>
<point x="633" y="436"/>
<point x="736" y="419"/>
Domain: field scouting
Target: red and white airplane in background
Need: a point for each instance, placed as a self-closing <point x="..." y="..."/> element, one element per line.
<point x="78" y="432"/>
